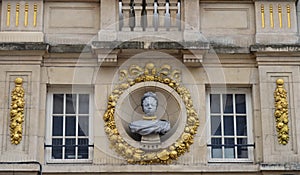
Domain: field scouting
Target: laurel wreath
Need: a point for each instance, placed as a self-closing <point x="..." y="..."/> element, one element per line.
<point x="164" y="75"/>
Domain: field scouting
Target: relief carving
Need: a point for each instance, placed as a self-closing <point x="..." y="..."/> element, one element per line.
<point x="17" y="112"/>
<point x="281" y="112"/>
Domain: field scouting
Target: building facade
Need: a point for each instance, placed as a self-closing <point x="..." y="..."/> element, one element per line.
<point x="226" y="74"/>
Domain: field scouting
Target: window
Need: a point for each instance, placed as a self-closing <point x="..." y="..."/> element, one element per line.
<point x="229" y="125"/>
<point x="68" y="121"/>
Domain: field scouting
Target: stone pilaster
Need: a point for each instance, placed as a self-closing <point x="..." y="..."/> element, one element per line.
<point x="276" y="22"/>
<point x="22" y="21"/>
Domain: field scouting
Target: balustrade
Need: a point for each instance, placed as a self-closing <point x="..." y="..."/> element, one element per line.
<point x="149" y="15"/>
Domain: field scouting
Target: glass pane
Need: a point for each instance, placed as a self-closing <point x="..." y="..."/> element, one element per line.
<point x="216" y="151"/>
<point x="229" y="148"/>
<point x="58" y="104"/>
<point x="83" y="151"/>
<point x="242" y="150"/>
<point x="240" y="105"/>
<point x="228" y="126"/>
<point x="83" y="126"/>
<point x="215" y="103"/>
<point x="215" y="125"/>
<point x="57" y="126"/>
<point x="241" y="124"/>
<point x="57" y="150"/>
<point x="227" y="103"/>
<point x="70" y="103"/>
<point x="70" y="126"/>
<point x="70" y="149"/>
<point x="84" y="104"/>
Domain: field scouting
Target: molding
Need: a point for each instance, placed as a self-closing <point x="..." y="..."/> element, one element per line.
<point x="10" y="37"/>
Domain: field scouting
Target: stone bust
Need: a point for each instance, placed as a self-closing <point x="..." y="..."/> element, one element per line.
<point x="149" y="124"/>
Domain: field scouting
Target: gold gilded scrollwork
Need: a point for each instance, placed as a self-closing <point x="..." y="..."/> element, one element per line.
<point x="17" y="112"/>
<point x="281" y="112"/>
<point x="164" y="75"/>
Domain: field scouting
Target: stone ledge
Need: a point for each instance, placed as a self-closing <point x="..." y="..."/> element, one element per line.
<point x="118" y="45"/>
<point x="280" y="167"/>
<point x="228" y="49"/>
<point x="275" y="48"/>
<point x="23" y="47"/>
<point x="67" y="48"/>
<point x="150" y="45"/>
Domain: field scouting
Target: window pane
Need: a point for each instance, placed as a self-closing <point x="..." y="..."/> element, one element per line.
<point x="242" y="150"/>
<point x="229" y="148"/>
<point x="83" y="151"/>
<point x="240" y="103"/>
<point x="216" y="151"/>
<point x="215" y="125"/>
<point x="84" y="104"/>
<point x="215" y="103"/>
<point x="227" y="103"/>
<point x="57" y="126"/>
<point x="58" y="103"/>
<point x="83" y="126"/>
<point x="241" y="124"/>
<point x="70" y="103"/>
<point x="70" y="149"/>
<point x="70" y="126"/>
<point x="228" y="126"/>
<point x="57" y="150"/>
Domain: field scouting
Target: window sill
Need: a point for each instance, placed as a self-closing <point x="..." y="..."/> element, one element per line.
<point x="59" y="161"/>
<point x="230" y="161"/>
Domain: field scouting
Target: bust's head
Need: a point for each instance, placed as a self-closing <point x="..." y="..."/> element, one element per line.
<point x="149" y="103"/>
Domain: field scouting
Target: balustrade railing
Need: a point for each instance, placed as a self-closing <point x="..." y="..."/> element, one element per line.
<point x="149" y="15"/>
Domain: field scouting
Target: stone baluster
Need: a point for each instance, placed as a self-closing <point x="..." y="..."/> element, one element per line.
<point x="132" y="15"/>
<point x="155" y="16"/>
<point x="167" y="16"/>
<point x="144" y="22"/>
<point x="178" y="15"/>
<point x="121" y="16"/>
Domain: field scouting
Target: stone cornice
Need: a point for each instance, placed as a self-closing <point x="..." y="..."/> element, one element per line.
<point x="275" y="48"/>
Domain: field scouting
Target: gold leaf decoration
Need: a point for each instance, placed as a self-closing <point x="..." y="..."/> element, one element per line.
<point x="281" y="112"/>
<point x="17" y="112"/>
<point x="133" y="155"/>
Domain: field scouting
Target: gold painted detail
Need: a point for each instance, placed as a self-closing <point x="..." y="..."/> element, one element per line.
<point x="288" y="10"/>
<point x="149" y="117"/>
<point x="164" y="75"/>
<point x="280" y="15"/>
<point x="26" y="15"/>
<point x="281" y="112"/>
<point x="271" y="16"/>
<point x="262" y="11"/>
<point x="8" y="15"/>
<point x="34" y="14"/>
<point x="17" y="14"/>
<point x="17" y="112"/>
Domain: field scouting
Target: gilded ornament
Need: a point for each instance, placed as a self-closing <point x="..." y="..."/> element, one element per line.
<point x="281" y="112"/>
<point x="165" y="75"/>
<point x="17" y="112"/>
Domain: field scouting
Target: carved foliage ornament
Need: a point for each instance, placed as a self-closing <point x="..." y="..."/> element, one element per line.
<point x="281" y="112"/>
<point x="134" y="75"/>
<point x="17" y="112"/>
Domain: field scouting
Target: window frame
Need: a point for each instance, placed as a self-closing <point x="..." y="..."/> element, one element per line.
<point x="248" y="99"/>
<point x="49" y="122"/>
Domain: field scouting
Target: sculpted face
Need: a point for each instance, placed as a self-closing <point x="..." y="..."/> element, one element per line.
<point x="149" y="106"/>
